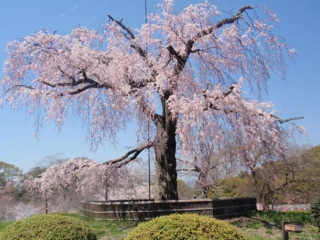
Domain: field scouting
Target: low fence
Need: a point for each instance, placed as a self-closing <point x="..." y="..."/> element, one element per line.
<point x="148" y="209"/>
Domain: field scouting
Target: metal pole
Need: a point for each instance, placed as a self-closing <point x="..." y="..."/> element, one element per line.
<point x="146" y="21"/>
<point x="149" y="159"/>
<point x="145" y="10"/>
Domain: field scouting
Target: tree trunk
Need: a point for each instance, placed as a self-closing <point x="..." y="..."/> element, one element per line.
<point x="165" y="151"/>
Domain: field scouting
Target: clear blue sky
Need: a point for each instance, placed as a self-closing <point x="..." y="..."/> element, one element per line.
<point x="297" y="95"/>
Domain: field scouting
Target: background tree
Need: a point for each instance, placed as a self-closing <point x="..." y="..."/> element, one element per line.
<point x="184" y="190"/>
<point x="293" y="180"/>
<point x="8" y="173"/>
<point x="54" y="159"/>
<point x="191" y="72"/>
<point x="304" y="164"/>
<point x="12" y="195"/>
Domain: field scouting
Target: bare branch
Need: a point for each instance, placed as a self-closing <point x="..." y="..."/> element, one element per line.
<point x="196" y="167"/>
<point x="123" y="26"/>
<point x="285" y="120"/>
<point x="234" y="18"/>
<point x="126" y="157"/>
<point x="20" y="86"/>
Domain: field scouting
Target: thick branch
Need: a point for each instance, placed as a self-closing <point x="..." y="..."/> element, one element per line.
<point x="74" y="82"/>
<point x="126" y="157"/>
<point x="181" y="59"/>
<point x="225" y="94"/>
<point x="91" y="83"/>
<point x="122" y="26"/>
<point x="234" y="18"/>
<point x="71" y="84"/>
<point x="172" y="51"/>
<point x="128" y="32"/>
<point x="218" y="25"/>
<point x="94" y="85"/>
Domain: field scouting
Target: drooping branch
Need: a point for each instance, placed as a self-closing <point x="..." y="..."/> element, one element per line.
<point x="228" y="92"/>
<point x="126" y="159"/>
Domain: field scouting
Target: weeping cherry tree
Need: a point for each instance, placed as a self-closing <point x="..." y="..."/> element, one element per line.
<point x="179" y="71"/>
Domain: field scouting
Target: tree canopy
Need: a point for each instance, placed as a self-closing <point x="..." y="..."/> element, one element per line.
<point x="182" y="72"/>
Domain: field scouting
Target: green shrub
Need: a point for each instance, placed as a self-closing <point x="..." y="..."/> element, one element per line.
<point x="49" y="226"/>
<point x="184" y="226"/>
<point x="315" y="211"/>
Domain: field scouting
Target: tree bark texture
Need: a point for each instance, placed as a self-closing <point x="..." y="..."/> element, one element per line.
<point x="165" y="151"/>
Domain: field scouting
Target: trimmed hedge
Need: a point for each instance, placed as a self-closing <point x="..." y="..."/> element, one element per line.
<point x="184" y="226"/>
<point x="49" y="226"/>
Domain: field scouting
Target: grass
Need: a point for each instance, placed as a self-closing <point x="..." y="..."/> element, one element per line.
<point x="3" y="225"/>
<point x="255" y="225"/>
<point x="267" y="225"/>
<point x="254" y="236"/>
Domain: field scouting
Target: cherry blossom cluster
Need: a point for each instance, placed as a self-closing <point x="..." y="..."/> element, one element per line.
<point x="90" y="179"/>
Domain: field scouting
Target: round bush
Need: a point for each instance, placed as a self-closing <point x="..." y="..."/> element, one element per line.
<point x="49" y="226"/>
<point x="185" y="226"/>
<point x="315" y="211"/>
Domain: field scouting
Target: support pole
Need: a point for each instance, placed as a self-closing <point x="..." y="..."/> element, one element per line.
<point x="46" y="205"/>
<point x="285" y="234"/>
<point x="146" y="20"/>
